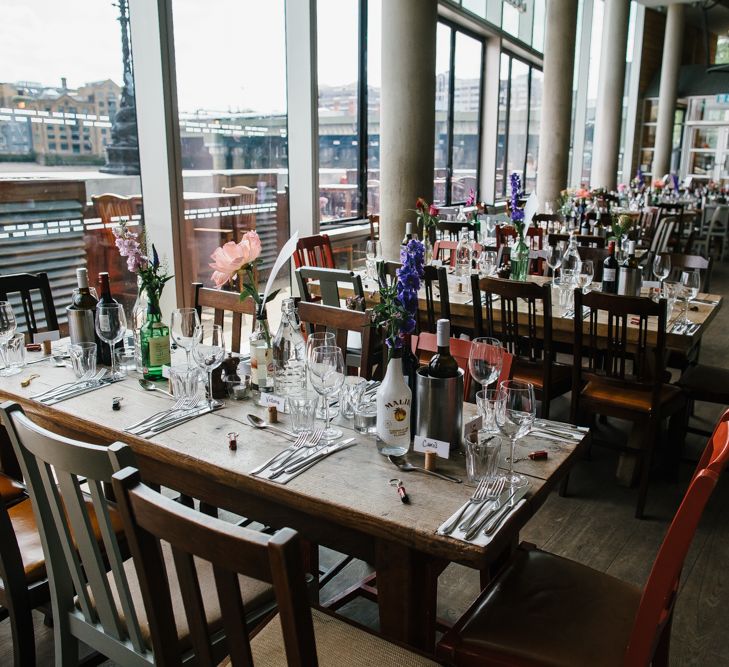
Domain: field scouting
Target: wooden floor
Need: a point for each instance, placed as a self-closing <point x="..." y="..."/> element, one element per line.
<point x="595" y="525"/>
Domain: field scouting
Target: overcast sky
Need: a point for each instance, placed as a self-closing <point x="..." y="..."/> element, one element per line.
<point x="229" y="53"/>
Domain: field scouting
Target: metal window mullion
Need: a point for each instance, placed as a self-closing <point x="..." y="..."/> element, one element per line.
<point x="481" y="90"/>
<point x="528" y="121"/>
<point x="450" y="117"/>
<point x="362" y="111"/>
<point x="507" y="124"/>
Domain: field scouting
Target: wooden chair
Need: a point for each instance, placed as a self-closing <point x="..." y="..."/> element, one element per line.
<point x="546" y="218"/>
<point x="681" y="263"/>
<point x="330" y="282"/>
<point x="244" y="221"/>
<point x="570" y="614"/>
<point x="716" y="228"/>
<point x="583" y="240"/>
<point x="297" y="636"/>
<point x="223" y="302"/>
<point x="26" y="285"/>
<point x="535" y="236"/>
<point x="664" y="230"/>
<point x="451" y="229"/>
<point x="534" y="354"/>
<point x="318" y="317"/>
<point x="432" y="276"/>
<point x="80" y="544"/>
<point x="647" y="225"/>
<point x="314" y="251"/>
<point x="443" y="249"/>
<point x="623" y="377"/>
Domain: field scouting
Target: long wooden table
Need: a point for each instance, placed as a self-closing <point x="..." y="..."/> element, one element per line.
<point x="345" y="502"/>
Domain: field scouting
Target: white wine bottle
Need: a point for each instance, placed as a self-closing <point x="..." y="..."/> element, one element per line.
<point x="394" y="403"/>
<point x="442" y="364"/>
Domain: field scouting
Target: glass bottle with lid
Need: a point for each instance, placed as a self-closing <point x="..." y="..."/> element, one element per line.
<point x="261" y="353"/>
<point x="289" y="352"/>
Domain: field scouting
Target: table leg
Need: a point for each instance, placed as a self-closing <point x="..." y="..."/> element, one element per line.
<point x="407" y="590"/>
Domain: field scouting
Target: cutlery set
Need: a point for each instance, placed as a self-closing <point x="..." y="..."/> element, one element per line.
<point x="182" y="411"/>
<point x="87" y="382"/>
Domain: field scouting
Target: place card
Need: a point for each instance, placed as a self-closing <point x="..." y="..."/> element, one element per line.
<point x="472" y="425"/>
<point x="267" y="400"/>
<point x="440" y="447"/>
<point x="43" y="336"/>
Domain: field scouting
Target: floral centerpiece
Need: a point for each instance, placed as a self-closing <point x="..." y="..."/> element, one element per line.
<point x="426" y="216"/>
<point x="153" y="336"/>
<point x="471" y="201"/>
<point x="520" y="250"/>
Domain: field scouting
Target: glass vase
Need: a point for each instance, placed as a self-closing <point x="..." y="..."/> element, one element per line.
<point x="262" y="368"/>
<point x="519" y="260"/>
<point x="154" y="340"/>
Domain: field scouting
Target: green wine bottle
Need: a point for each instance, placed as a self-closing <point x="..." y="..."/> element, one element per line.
<point x="155" y="341"/>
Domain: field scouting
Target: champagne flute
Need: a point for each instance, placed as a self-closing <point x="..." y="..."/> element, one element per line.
<point x="327" y="372"/>
<point x="662" y="266"/>
<point x="515" y="413"/>
<point x="485" y="360"/>
<point x="208" y="351"/>
<point x="690" y="282"/>
<point x="184" y="324"/>
<point x="111" y="324"/>
<point x="8" y="326"/>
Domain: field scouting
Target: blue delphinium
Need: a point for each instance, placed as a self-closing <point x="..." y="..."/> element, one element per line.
<point x="517" y="213"/>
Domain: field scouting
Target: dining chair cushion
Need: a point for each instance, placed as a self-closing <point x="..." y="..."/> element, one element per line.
<point x="546" y="610"/>
<point x="29" y="541"/>
<point x="337" y="643"/>
<point x="629" y="397"/>
<point x="10" y="489"/>
<point x="254" y="594"/>
<point x="533" y="372"/>
<point x="706" y="383"/>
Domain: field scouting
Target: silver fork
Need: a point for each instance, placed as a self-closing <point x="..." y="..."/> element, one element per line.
<point x="493" y="494"/>
<point x="478" y="495"/>
<point x="67" y="392"/>
<point x="147" y="421"/>
<point x="48" y="392"/>
<point x="310" y="442"/>
<point x="300" y="440"/>
<point x="188" y="404"/>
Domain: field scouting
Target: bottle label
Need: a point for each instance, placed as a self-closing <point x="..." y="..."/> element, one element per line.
<point x="608" y="275"/>
<point x="261" y="365"/>
<point x="397" y="420"/>
<point x="159" y="350"/>
<point x="104" y="323"/>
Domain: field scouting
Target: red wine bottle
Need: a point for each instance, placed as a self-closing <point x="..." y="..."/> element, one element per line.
<point x="610" y="271"/>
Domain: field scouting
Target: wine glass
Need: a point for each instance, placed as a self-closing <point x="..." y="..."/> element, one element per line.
<point x="554" y="257"/>
<point x="487" y="262"/>
<point x="111" y="324"/>
<point x="662" y="266"/>
<point x="184" y="324"/>
<point x="327" y="372"/>
<point x="485" y="360"/>
<point x="319" y="339"/>
<point x="515" y="413"/>
<point x="8" y="325"/>
<point x="373" y="254"/>
<point x="584" y="277"/>
<point x="690" y="283"/>
<point x="208" y="351"/>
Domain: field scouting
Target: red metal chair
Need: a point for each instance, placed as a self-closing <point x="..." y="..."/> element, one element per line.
<point x="314" y="251"/>
<point x="440" y="248"/>
<point x="547" y="610"/>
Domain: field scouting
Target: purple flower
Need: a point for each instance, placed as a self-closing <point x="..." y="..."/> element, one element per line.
<point x="129" y="247"/>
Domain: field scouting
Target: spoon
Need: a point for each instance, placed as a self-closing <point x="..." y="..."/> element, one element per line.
<point x="57" y="359"/>
<point x="257" y="422"/>
<point x="148" y="385"/>
<point x="406" y="466"/>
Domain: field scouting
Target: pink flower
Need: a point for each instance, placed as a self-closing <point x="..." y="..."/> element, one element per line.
<point x="433" y="210"/>
<point x="471" y="198"/>
<point x="232" y="257"/>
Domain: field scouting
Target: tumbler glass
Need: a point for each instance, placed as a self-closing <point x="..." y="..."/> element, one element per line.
<point x="83" y="358"/>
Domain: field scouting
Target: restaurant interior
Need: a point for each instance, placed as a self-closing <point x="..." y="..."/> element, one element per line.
<point x="364" y="332"/>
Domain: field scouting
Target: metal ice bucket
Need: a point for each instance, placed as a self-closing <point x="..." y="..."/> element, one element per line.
<point x="439" y="407"/>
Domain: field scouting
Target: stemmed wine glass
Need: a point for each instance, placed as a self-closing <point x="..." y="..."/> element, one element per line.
<point x="584" y="277"/>
<point x="208" y="351"/>
<point x="662" y="266"/>
<point x="373" y="254"/>
<point x="690" y="283"/>
<point x="487" y="262"/>
<point x="554" y="257"/>
<point x="8" y="325"/>
<point x="327" y="372"/>
<point x="485" y="360"/>
<point x="515" y="413"/>
<point x="184" y="325"/>
<point x="111" y="325"/>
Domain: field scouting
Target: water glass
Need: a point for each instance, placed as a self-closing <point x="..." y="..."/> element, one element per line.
<point x="485" y="360"/>
<point x="126" y="361"/>
<point x="486" y="403"/>
<point x="185" y="381"/>
<point x="184" y="328"/>
<point x="365" y="418"/>
<point x="515" y="414"/>
<point x="208" y="351"/>
<point x="487" y="262"/>
<point x="14" y="352"/>
<point x="238" y="389"/>
<point x="83" y="358"/>
<point x="111" y="323"/>
<point x="351" y="393"/>
<point x="482" y="456"/>
<point x="303" y="411"/>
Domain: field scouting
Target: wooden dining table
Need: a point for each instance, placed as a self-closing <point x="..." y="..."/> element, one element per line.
<point x="345" y="502"/>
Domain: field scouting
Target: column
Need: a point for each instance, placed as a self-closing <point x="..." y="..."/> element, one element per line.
<point x="554" y="134"/>
<point x="670" y="66"/>
<point x="610" y="87"/>
<point x="407" y="115"/>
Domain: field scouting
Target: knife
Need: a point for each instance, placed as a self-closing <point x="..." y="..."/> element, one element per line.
<point x="315" y="458"/>
<point x="170" y="423"/>
<point x="503" y="500"/>
<point x="505" y="511"/>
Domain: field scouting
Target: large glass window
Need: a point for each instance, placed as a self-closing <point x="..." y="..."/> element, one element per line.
<point x="67" y="134"/>
<point x="374" y="71"/>
<point x="459" y="67"/>
<point x="520" y="102"/>
<point x="231" y="89"/>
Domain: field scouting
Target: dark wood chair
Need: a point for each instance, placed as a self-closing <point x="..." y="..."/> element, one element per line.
<point x="26" y="285"/>
<point x="546" y="217"/>
<point x="517" y="327"/>
<point x="331" y="282"/>
<point x="583" y="240"/>
<point x="433" y="276"/>
<point x="298" y="635"/>
<point x="317" y="317"/>
<point x="534" y="239"/>
<point x="314" y="251"/>
<point x="597" y="256"/>
<point x="570" y="614"/>
<point x="222" y="302"/>
<point x="647" y="222"/>
<point x="681" y="262"/>
<point x="623" y="377"/>
<point x="451" y="229"/>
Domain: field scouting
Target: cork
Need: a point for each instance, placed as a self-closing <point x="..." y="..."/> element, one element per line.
<point x="430" y="458"/>
<point x="46" y="347"/>
<point x="272" y="414"/>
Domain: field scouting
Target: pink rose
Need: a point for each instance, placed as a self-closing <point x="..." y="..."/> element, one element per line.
<point x="433" y="210"/>
<point x="232" y="257"/>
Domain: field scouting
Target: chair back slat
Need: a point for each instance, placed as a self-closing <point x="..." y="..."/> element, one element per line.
<point x="25" y="285"/>
<point x="314" y="251"/>
<point x="150" y="518"/>
<point x="659" y="594"/>
<point x="222" y="302"/>
<point x="75" y="559"/>
<point x="583" y="240"/>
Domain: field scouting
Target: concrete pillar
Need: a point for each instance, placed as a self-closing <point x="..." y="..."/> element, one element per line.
<point x="610" y="87"/>
<point x="407" y="115"/>
<point x="554" y="134"/>
<point x="670" y="66"/>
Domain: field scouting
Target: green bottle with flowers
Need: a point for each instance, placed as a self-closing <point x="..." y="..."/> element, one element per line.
<point x="519" y="256"/>
<point x="154" y="334"/>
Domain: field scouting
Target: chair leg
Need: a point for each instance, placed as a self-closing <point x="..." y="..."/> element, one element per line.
<point x="21" y="624"/>
<point x="65" y="644"/>
<point x="660" y="657"/>
<point x="647" y="459"/>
